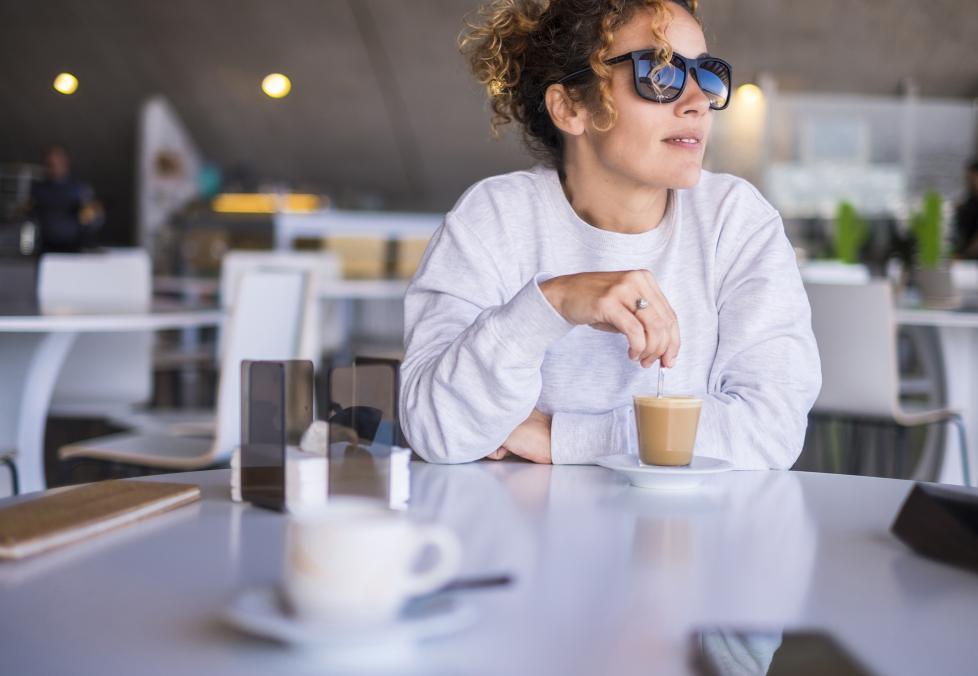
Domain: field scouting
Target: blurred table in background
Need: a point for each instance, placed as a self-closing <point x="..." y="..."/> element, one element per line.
<point x="33" y="347"/>
<point x="345" y="292"/>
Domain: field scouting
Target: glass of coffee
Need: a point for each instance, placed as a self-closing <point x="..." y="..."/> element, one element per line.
<point x="666" y="428"/>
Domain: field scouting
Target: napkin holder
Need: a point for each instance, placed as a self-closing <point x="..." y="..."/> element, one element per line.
<point x="276" y="410"/>
<point x="941" y="524"/>
<point x="288" y="462"/>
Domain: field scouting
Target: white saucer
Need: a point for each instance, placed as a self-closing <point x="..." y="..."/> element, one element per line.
<point x="260" y="611"/>
<point x="661" y="477"/>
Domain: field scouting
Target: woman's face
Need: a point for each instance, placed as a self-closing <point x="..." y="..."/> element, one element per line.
<point x="643" y="146"/>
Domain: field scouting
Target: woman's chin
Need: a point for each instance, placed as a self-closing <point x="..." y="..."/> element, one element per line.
<point x="686" y="179"/>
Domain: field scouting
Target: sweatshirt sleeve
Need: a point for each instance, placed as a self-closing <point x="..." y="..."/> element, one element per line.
<point x="766" y="373"/>
<point x="581" y="438"/>
<point x="471" y="370"/>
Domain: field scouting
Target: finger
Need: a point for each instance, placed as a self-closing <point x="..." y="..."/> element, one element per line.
<point x="656" y="332"/>
<point x="657" y="338"/>
<point x="629" y="325"/>
<point x="498" y="454"/>
<point x="675" y="342"/>
<point x="658" y="319"/>
<point x="671" y="349"/>
<point x="641" y="286"/>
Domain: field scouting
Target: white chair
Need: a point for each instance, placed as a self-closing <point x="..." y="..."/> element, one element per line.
<point x="105" y="374"/>
<point x="856" y="331"/>
<point x="267" y="321"/>
<point x="321" y="267"/>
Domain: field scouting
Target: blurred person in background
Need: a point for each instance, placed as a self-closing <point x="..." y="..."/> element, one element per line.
<point x="546" y="297"/>
<point x="966" y="217"/>
<point x="63" y="209"/>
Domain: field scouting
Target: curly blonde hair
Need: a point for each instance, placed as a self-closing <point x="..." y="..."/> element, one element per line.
<point x="518" y="48"/>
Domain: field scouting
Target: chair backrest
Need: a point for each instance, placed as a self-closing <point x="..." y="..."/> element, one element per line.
<point x="855" y="327"/>
<point x="321" y="266"/>
<point x="266" y="321"/>
<point x="102" y="369"/>
<point x="115" y="281"/>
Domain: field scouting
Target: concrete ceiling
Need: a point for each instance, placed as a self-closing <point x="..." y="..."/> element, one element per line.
<point x="382" y="104"/>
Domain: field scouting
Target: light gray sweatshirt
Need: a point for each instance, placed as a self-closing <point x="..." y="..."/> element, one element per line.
<point x="484" y="346"/>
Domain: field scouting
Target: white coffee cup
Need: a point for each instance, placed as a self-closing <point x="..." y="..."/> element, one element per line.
<point x="353" y="561"/>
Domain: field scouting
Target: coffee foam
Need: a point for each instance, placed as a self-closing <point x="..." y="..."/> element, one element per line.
<point x="673" y="401"/>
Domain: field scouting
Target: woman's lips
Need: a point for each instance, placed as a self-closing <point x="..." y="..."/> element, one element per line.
<point x="684" y="143"/>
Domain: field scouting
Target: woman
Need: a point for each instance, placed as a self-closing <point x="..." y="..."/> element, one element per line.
<point x="547" y="296"/>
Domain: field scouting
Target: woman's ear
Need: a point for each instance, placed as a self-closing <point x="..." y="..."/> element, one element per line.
<point x="568" y="115"/>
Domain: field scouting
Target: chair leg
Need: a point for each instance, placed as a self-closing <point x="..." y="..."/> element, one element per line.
<point x="14" y="479"/>
<point x="963" y="443"/>
<point x="901" y="452"/>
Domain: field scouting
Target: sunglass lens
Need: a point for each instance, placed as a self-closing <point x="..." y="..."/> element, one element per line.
<point x="663" y="84"/>
<point x="713" y="78"/>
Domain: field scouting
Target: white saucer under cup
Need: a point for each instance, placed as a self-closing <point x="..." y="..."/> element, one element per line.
<point x="260" y="611"/>
<point x="660" y="477"/>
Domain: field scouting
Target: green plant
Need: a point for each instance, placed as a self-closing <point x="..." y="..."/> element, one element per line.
<point x="850" y="233"/>
<point x="927" y="228"/>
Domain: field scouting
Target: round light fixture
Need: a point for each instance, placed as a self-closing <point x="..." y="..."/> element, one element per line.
<point x="750" y="94"/>
<point x="65" y="83"/>
<point x="276" y="85"/>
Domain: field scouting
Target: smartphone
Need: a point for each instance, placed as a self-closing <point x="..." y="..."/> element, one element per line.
<point x="263" y="434"/>
<point x="723" y="652"/>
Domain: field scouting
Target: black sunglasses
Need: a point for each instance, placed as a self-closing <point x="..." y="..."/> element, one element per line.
<point x="666" y="84"/>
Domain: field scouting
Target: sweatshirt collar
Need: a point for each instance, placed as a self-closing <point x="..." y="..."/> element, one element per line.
<point x="639" y="244"/>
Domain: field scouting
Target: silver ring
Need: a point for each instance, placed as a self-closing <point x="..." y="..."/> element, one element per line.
<point x="641" y="304"/>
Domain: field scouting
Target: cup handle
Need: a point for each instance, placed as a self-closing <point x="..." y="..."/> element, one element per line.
<point x="447" y="565"/>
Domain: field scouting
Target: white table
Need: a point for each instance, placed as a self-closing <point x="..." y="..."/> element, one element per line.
<point x="958" y="335"/>
<point x="608" y="579"/>
<point x="338" y="299"/>
<point x="194" y="288"/>
<point x="33" y="348"/>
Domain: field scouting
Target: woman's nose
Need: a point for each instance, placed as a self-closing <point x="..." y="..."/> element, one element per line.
<point x="693" y="100"/>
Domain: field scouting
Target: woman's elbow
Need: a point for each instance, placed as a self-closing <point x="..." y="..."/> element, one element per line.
<point x="438" y="451"/>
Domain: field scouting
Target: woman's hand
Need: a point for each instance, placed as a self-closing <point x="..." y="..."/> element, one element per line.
<point x="607" y="301"/>
<point x="530" y="440"/>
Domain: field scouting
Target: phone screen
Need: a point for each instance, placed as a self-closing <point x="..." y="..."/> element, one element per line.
<point x="263" y="434"/>
<point x="724" y="652"/>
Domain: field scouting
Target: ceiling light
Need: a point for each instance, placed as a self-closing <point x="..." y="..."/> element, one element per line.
<point x="749" y="94"/>
<point x="65" y="83"/>
<point x="276" y="85"/>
